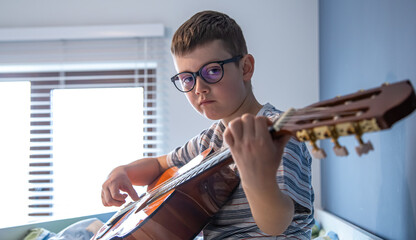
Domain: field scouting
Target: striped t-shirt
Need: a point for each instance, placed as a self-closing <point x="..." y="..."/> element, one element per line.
<point x="234" y="220"/>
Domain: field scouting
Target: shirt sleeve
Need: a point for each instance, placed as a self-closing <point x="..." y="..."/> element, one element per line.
<point x="294" y="173"/>
<point x="294" y="176"/>
<point x="182" y="155"/>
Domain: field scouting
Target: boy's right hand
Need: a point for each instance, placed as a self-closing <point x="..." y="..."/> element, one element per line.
<point x="116" y="182"/>
<point x="119" y="183"/>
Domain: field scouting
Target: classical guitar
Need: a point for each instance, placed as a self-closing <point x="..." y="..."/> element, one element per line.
<point x="181" y="202"/>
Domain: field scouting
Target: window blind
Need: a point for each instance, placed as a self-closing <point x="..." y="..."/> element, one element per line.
<point x="49" y="65"/>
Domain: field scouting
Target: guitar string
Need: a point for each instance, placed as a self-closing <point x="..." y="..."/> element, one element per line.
<point x="169" y="184"/>
<point x="318" y="110"/>
<point x="300" y="115"/>
<point x="177" y="180"/>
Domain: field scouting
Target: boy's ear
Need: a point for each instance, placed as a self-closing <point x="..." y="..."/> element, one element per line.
<point x="248" y="67"/>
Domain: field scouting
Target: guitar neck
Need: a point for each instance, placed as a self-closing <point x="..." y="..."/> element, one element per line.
<point x="353" y="114"/>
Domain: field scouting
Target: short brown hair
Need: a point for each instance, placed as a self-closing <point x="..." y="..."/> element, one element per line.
<point x="206" y="26"/>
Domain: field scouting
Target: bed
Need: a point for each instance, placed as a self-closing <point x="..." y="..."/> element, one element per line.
<point x="327" y="221"/>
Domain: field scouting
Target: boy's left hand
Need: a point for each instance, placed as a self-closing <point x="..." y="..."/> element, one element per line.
<point x="258" y="156"/>
<point x="255" y="153"/>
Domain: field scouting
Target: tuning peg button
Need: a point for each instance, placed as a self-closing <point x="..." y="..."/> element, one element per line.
<point x="340" y="151"/>
<point x="364" y="148"/>
<point x="318" y="153"/>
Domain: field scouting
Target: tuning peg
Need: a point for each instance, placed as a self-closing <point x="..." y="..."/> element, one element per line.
<point x="317" y="152"/>
<point x="338" y="149"/>
<point x="363" y="148"/>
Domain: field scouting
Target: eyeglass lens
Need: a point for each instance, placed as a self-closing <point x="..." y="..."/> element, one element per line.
<point x="211" y="73"/>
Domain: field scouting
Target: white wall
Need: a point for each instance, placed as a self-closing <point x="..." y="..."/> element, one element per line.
<point x="282" y="35"/>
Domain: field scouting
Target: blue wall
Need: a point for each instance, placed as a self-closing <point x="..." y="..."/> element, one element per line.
<point x="364" y="43"/>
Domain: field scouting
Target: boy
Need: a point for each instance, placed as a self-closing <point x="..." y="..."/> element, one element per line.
<point x="274" y="198"/>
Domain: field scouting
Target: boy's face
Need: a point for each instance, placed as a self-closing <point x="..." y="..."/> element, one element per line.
<point x="221" y="100"/>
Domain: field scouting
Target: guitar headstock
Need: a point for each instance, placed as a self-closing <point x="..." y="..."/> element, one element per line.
<point x="353" y="114"/>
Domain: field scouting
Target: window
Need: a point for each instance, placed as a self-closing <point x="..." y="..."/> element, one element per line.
<point x="50" y="74"/>
<point x="94" y="130"/>
<point x="63" y="108"/>
<point x="14" y="150"/>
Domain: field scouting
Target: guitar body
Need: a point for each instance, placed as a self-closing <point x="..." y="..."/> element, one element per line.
<point x="178" y="214"/>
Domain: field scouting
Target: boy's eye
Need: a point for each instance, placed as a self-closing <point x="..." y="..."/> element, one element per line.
<point x="212" y="72"/>
<point x="187" y="79"/>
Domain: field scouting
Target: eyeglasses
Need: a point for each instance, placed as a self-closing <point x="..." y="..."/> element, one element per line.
<point x="211" y="73"/>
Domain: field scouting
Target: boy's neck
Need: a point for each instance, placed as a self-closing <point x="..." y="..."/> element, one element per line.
<point x="250" y="105"/>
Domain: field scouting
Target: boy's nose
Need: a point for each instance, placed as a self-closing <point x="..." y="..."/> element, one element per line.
<point x="200" y="85"/>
